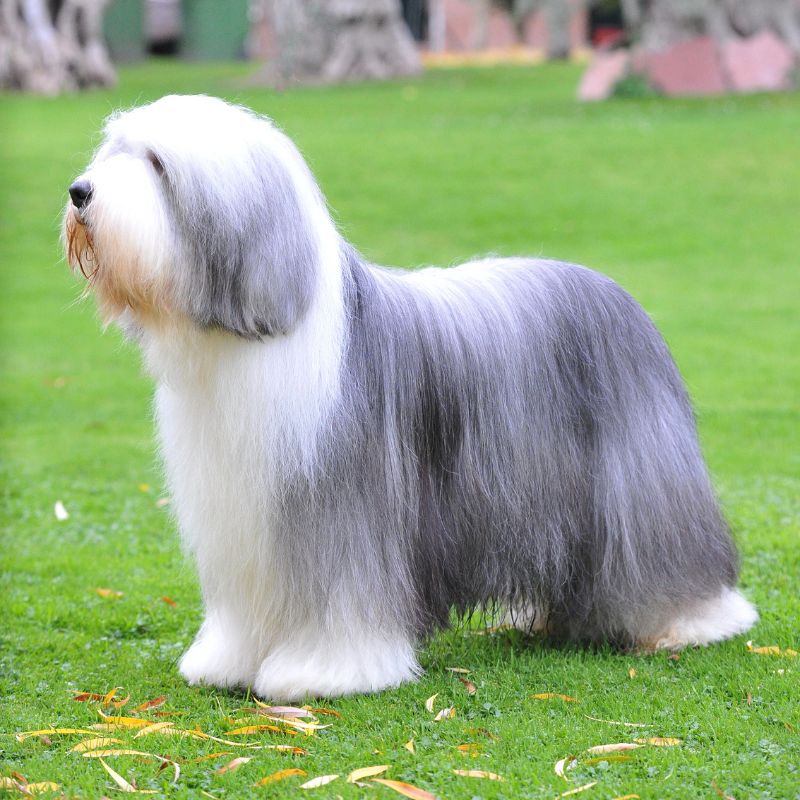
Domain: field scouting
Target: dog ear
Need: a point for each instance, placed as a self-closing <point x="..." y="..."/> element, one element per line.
<point x="249" y="241"/>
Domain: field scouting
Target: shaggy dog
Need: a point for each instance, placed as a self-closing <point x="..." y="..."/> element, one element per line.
<point x="354" y="452"/>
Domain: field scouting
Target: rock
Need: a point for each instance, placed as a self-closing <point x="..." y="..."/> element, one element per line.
<point x="758" y="63"/>
<point x="690" y="67"/>
<point x="603" y="74"/>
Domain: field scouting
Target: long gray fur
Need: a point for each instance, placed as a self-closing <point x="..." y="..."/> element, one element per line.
<point x="533" y="444"/>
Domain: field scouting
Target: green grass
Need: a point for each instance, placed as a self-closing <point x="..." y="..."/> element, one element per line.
<point x="692" y="205"/>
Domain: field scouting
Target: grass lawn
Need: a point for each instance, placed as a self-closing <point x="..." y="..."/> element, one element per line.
<point x="692" y="205"/>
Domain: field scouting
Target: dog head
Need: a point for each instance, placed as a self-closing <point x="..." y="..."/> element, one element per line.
<point x="195" y="207"/>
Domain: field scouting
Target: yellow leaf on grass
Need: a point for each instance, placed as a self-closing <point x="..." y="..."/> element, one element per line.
<point x="125" y="722"/>
<point x="120" y="703"/>
<point x="21" y="737"/>
<point x="445" y="713"/>
<point x="613" y="748"/>
<point x="771" y="650"/>
<point x="479" y="773"/>
<point x="460" y="670"/>
<point x="107" y="593"/>
<point x="553" y="696"/>
<point x="82" y="697"/>
<point x="117" y="752"/>
<point x="616" y="722"/>
<point x="563" y="764"/>
<point x="143" y="487"/>
<point x="661" y="741"/>
<point x="107" y="698"/>
<point x="409" y="745"/>
<point x="315" y="783"/>
<point x="308" y="727"/>
<point x="117" y="778"/>
<point x="233" y="765"/>
<point x="406" y="789"/>
<point x="366" y="772"/>
<point x="628" y="797"/>
<point x="482" y="732"/>
<point x="430" y="701"/>
<point x="154" y="728"/>
<point x="10" y="783"/>
<point x="257" y="728"/>
<point x="470" y="747"/>
<point x="42" y="786"/>
<point x="209" y="757"/>
<point x="632" y="673"/>
<point x="579" y="789"/>
<point x="94" y="744"/>
<point x="327" y="711"/>
<point x="279" y="776"/>
<point x="611" y="759"/>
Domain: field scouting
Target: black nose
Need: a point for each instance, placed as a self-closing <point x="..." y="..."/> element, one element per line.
<point x="81" y="193"/>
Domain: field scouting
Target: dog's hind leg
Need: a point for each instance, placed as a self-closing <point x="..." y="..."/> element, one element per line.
<point x="710" y="621"/>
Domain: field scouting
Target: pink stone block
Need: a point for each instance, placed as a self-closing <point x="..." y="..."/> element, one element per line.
<point x="759" y="63"/>
<point x="691" y="67"/>
<point x="602" y="75"/>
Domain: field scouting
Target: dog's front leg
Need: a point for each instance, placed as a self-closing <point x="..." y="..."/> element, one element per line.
<point x="221" y="654"/>
<point x="327" y="663"/>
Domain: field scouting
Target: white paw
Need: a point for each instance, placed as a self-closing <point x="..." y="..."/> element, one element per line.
<point x="217" y="660"/>
<point x="720" y="618"/>
<point x="292" y="673"/>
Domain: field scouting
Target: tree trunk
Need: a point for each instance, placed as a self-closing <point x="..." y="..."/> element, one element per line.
<point x="331" y="41"/>
<point x="49" y="53"/>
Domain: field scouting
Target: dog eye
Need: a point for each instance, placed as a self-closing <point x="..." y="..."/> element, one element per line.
<point x="158" y="164"/>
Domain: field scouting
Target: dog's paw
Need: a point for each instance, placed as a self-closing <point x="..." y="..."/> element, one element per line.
<point x="216" y="660"/>
<point x="328" y="670"/>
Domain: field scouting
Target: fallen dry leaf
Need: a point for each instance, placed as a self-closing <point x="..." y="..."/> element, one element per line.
<point x="406" y="789"/>
<point x="10" y="783"/>
<point x="60" y="512"/>
<point x="107" y="698"/>
<point x="125" y="722"/>
<point x="108" y="593"/>
<point x="430" y="701"/>
<point x="118" y="704"/>
<point x="366" y="772"/>
<point x="553" y="696"/>
<point x="631" y="673"/>
<point x="94" y="744"/>
<point x="232" y="765"/>
<point x="771" y="650"/>
<point x="162" y="501"/>
<point x="280" y="776"/>
<point x="460" y="670"/>
<point x="209" y="757"/>
<point x="445" y="713"/>
<point x="258" y="729"/>
<point x="409" y="745"/>
<point x="83" y="697"/>
<point x="610" y="759"/>
<point x="478" y="773"/>
<point x="143" y="487"/>
<point x="118" y="752"/>
<point x="627" y="797"/>
<point x="563" y="764"/>
<point x="21" y="737"/>
<point x="616" y="722"/>
<point x="326" y="711"/>
<point x="661" y="741"/>
<point x="470" y="747"/>
<point x="469" y="686"/>
<point x="169" y="601"/>
<point x="281" y="711"/>
<point x="613" y="748"/>
<point x="579" y="789"/>
<point x="154" y="728"/>
<point x="315" y="783"/>
<point x="117" y="778"/>
<point x="42" y="786"/>
<point x="482" y="732"/>
<point x="155" y="703"/>
<point x="723" y="795"/>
